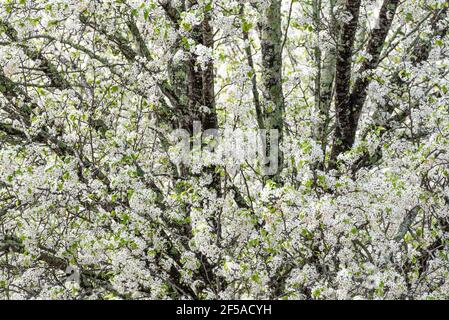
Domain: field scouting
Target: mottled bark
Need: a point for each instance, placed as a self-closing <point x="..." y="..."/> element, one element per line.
<point x="271" y="46"/>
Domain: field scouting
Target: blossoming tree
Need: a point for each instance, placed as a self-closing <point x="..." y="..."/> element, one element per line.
<point x="95" y="204"/>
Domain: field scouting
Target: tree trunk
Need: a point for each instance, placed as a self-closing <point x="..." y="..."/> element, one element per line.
<point x="271" y="45"/>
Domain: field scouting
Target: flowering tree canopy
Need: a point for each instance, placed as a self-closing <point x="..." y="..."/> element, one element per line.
<point x="313" y="161"/>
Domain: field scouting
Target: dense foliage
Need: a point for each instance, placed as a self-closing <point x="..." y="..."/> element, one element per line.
<point x="96" y="202"/>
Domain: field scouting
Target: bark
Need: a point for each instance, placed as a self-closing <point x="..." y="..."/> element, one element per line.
<point x="342" y="136"/>
<point x="194" y="87"/>
<point x="349" y="106"/>
<point x="271" y="46"/>
<point x="56" y="79"/>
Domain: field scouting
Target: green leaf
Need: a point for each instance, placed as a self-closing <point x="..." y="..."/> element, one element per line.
<point x="246" y="26"/>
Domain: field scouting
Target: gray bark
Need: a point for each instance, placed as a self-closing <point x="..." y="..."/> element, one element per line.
<point x="271" y="45"/>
